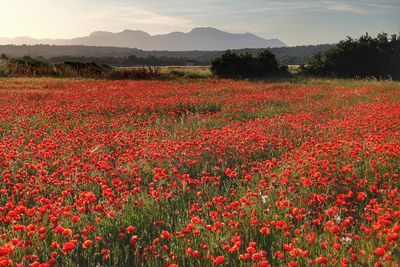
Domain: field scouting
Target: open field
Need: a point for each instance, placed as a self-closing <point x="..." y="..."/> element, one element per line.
<point x="203" y="72"/>
<point x="190" y="71"/>
<point x="294" y="69"/>
<point x="206" y="173"/>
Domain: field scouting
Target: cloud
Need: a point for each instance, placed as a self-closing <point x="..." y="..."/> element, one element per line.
<point x="269" y="6"/>
<point x="64" y="19"/>
<point x="364" y="7"/>
<point x="382" y="6"/>
<point x="285" y="19"/>
<point x="124" y="15"/>
<point x="345" y="7"/>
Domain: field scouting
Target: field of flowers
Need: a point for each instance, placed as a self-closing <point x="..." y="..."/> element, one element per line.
<point x="234" y="173"/>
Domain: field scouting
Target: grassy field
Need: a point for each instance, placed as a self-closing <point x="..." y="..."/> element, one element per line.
<point x="294" y="69"/>
<point x="191" y="71"/>
<point x="180" y="72"/>
<point x="200" y="172"/>
<point x="196" y="72"/>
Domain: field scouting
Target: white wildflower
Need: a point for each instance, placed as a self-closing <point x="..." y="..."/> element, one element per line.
<point x="346" y="240"/>
<point x="264" y="198"/>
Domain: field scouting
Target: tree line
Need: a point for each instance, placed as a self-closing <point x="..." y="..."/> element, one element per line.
<point x="130" y="61"/>
<point x="366" y="56"/>
<point x="116" y="56"/>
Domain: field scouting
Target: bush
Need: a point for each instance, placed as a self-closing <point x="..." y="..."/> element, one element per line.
<point x="36" y="67"/>
<point x="228" y="65"/>
<point x="364" y="57"/>
<point x="25" y="66"/>
<point x="139" y="73"/>
<point x="3" y="65"/>
<point x="88" y="70"/>
<point x="231" y="65"/>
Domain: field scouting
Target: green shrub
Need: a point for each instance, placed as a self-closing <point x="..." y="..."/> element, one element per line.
<point x="3" y="66"/>
<point x="27" y="66"/>
<point x="231" y="65"/>
<point x="89" y="70"/>
<point x="139" y="73"/>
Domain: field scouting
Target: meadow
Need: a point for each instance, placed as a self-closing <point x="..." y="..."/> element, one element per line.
<point x="199" y="173"/>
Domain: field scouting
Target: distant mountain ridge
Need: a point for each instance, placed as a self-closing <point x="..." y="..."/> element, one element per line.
<point x="203" y="38"/>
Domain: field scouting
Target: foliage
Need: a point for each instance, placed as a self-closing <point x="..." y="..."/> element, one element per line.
<point x="27" y="66"/>
<point x="38" y="67"/>
<point x="131" y="61"/>
<point x="3" y="65"/>
<point x="139" y="73"/>
<point x="231" y="65"/>
<point x="364" y="57"/>
<point x="79" y="69"/>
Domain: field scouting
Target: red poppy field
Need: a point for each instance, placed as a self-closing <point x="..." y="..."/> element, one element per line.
<point x="209" y="173"/>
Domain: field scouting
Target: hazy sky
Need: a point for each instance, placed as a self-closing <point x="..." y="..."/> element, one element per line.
<point x="293" y="21"/>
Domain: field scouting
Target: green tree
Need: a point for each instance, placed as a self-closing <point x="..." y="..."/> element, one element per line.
<point x="267" y="63"/>
<point x="228" y="65"/>
<point x="364" y="57"/>
<point x="231" y="65"/>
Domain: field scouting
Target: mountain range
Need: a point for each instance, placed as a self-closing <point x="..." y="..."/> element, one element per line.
<point x="204" y="38"/>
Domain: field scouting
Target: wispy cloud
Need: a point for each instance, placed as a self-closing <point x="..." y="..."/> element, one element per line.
<point x="363" y="7"/>
<point x="347" y="8"/>
<point x="293" y="21"/>
<point x="273" y="7"/>
<point x="127" y="15"/>
<point x="383" y="6"/>
<point x="56" y="19"/>
<point x="268" y="7"/>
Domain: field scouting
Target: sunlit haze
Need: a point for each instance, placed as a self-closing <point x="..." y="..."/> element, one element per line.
<point x="293" y="22"/>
